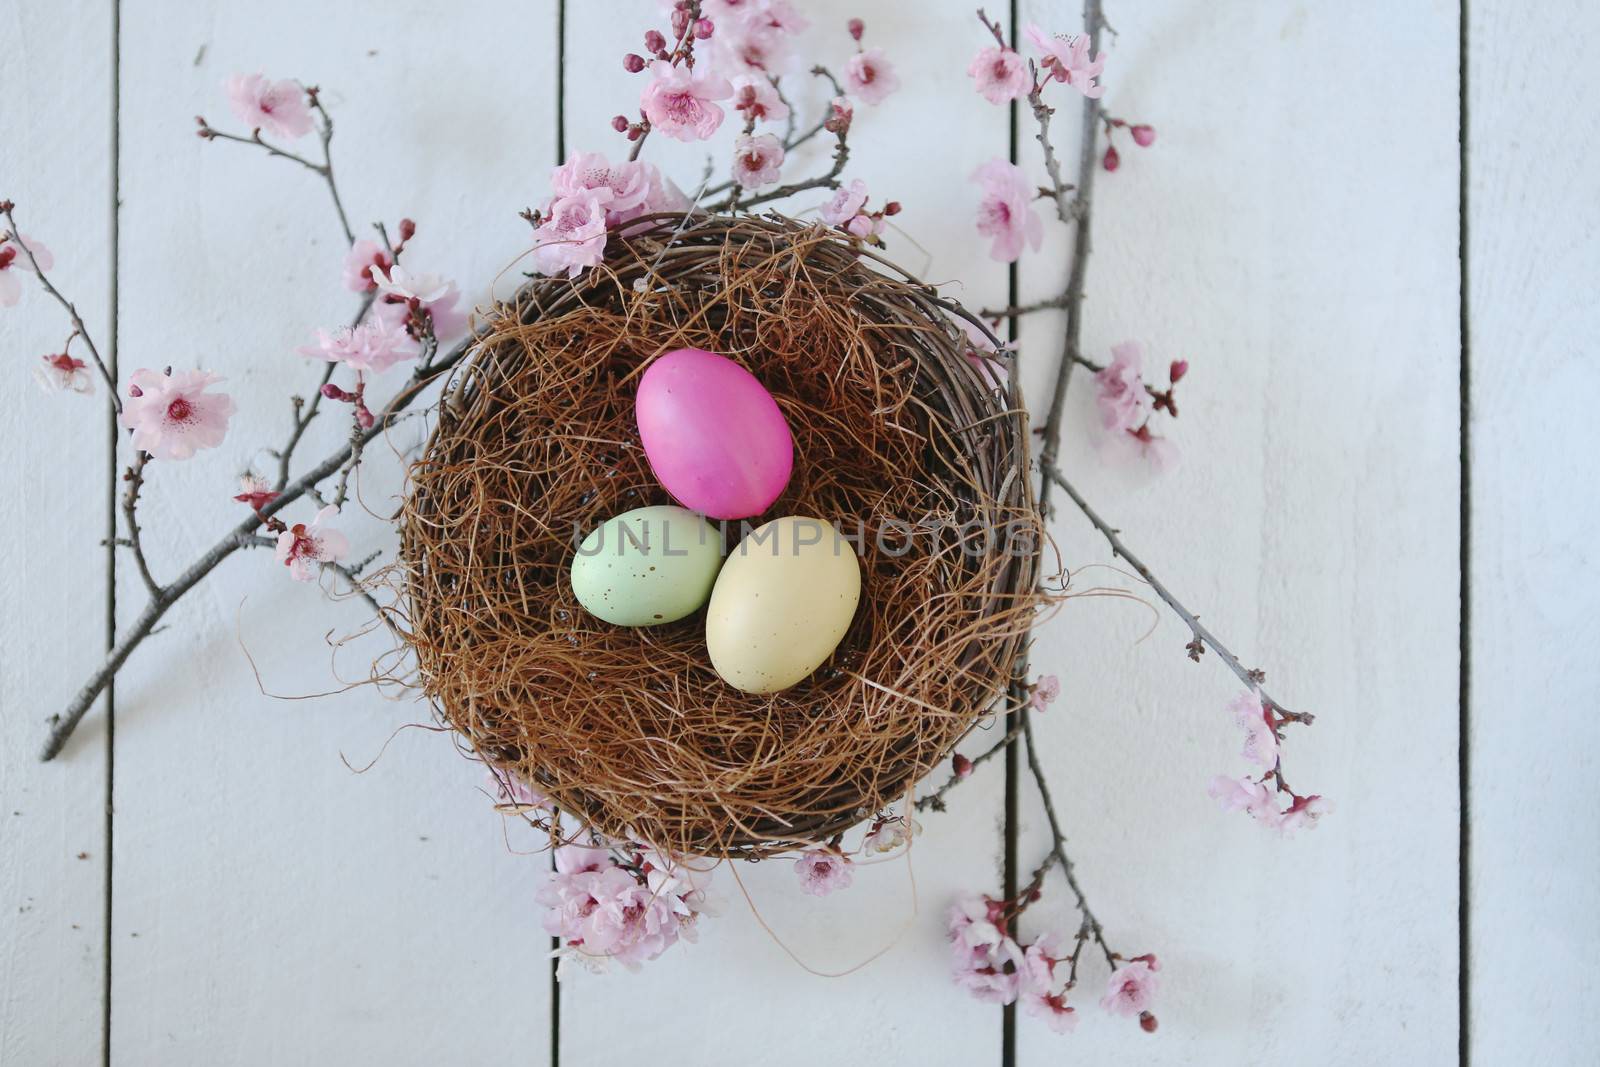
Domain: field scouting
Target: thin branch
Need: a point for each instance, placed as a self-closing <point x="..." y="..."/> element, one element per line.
<point x="1058" y="851"/>
<point x="935" y="799"/>
<point x="1093" y="19"/>
<point x="1013" y="311"/>
<point x="134" y="476"/>
<point x="351" y="576"/>
<point x="1203" y="637"/>
<point x="72" y="310"/>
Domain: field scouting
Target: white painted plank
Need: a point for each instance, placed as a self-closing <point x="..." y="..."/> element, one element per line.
<point x="56" y="126"/>
<point x="717" y="1002"/>
<point x="1293" y="235"/>
<point x="271" y="906"/>
<point x="1532" y="262"/>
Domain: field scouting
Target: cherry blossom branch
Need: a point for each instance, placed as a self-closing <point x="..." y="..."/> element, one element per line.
<point x="13" y="234"/>
<point x="1202" y="637"/>
<point x="351" y="576"/>
<point x="323" y="169"/>
<point x="1080" y="212"/>
<point x="62" y="724"/>
<point x="830" y="180"/>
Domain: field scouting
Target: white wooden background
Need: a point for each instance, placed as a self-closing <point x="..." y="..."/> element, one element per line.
<point x="206" y="882"/>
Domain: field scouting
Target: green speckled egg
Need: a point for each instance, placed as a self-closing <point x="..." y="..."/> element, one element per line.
<point x="647" y="566"/>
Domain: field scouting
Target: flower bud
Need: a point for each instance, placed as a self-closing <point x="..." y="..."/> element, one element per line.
<point x="632" y="63"/>
<point x="1112" y="160"/>
<point x="1147" y="1022"/>
<point x="1179" y="368"/>
<point x="961" y="765"/>
<point x="619" y="123"/>
<point x="703" y="28"/>
<point x="892" y="208"/>
<point x="635" y="132"/>
<point x="1144" y="136"/>
<point x="680" y="22"/>
<point x="364" y="418"/>
<point x="653" y="41"/>
<point x="856" y="27"/>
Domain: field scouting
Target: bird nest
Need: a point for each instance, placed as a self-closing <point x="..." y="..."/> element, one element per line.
<point x="900" y="439"/>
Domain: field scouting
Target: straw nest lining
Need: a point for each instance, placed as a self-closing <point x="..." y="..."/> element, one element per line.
<point x="630" y="729"/>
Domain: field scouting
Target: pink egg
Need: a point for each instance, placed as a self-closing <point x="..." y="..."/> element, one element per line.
<point x="713" y="434"/>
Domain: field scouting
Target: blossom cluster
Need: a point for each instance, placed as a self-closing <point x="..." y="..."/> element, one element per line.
<point x="1126" y="404"/>
<point x="605" y="909"/>
<point x="590" y="196"/>
<point x="1261" y="797"/>
<point x="993" y="966"/>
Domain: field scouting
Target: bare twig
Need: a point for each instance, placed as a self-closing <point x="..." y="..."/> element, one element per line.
<point x="935" y="799"/>
<point x="1049" y="303"/>
<point x="1202" y="636"/>
<point x="134" y="476"/>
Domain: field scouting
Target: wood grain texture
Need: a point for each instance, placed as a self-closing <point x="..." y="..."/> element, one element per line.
<point x="272" y="906"/>
<point x="1533" y="258"/>
<point x="1294" y="238"/>
<point x="716" y="1002"/>
<point x="56" y="129"/>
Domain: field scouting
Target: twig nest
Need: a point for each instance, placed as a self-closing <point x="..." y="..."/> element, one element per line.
<point x="900" y="443"/>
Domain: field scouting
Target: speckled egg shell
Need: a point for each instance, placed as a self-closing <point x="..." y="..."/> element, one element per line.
<point x="647" y="566"/>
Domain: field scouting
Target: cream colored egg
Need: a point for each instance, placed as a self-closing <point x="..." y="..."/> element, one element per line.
<point x="782" y="603"/>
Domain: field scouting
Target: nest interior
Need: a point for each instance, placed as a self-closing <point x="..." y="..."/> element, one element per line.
<point x="895" y="430"/>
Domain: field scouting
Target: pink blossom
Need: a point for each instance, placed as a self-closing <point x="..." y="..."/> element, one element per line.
<point x="1005" y="210"/>
<point x="758" y="99"/>
<point x="1156" y="451"/>
<point x="679" y="101"/>
<point x="1243" y="794"/>
<point x="254" y="490"/>
<point x="1260" y="743"/>
<point x="890" y="834"/>
<point x="278" y="107"/>
<point x="14" y="251"/>
<point x="573" y="235"/>
<point x="1066" y="58"/>
<point x="865" y="225"/>
<point x="373" y="346"/>
<point x="755" y="36"/>
<point x="1119" y="390"/>
<point x="303" y="548"/>
<point x="756" y="160"/>
<point x="601" y="911"/>
<point x="172" y="415"/>
<point x="512" y="790"/>
<point x="1143" y="135"/>
<point x="419" y="301"/>
<point x="1045" y="691"/>
<point x="822" y="872"/>
<point x="63" y="373"/>
<point x="871" y="76"/>
<point x="685" y="887"/>
<point x="629" y="184"/>
<point x="1000" y="73"/>
<point x="359" y="263"/>
<point x="845" y="203"/>
<point x="1132" y="987"/>
<point x="985" y="961"/>
<point x="1302" y="814"/>
<point x="840" y="114"/>
<point x="1044" y="984"/>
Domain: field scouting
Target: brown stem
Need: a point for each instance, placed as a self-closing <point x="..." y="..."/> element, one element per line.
<point x="130" y="505"/>
<point x="1202" y="636"/>
<point x="1058" y="851"/>
<point x="935" y="799"/>
<point x="1012" y="311"/>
